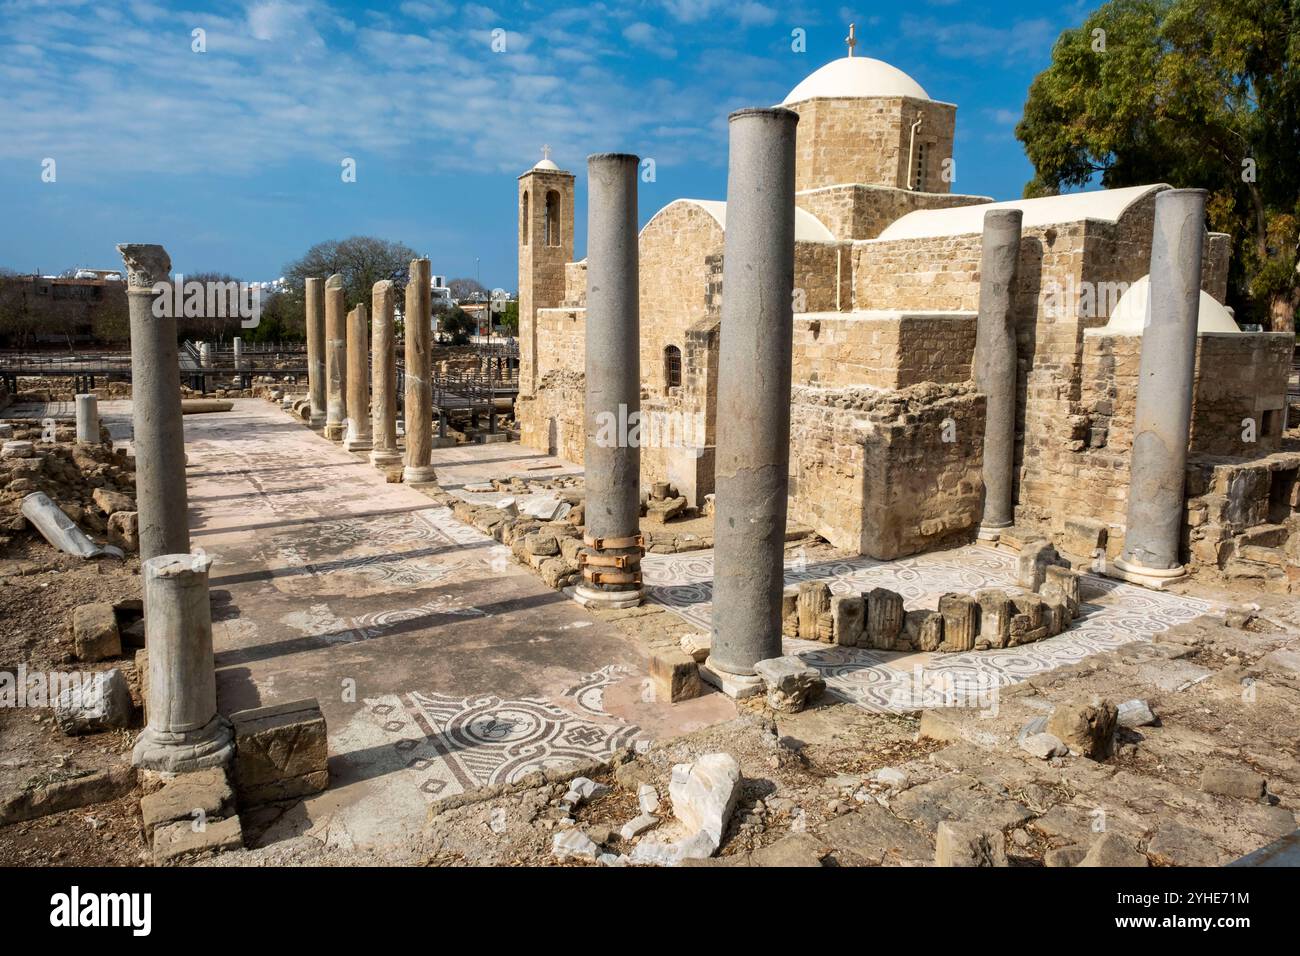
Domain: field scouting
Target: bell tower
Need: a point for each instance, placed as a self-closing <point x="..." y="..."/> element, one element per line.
<point x="545" y="246"/>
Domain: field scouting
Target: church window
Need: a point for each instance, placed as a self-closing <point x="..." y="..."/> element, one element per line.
<point x="523" y="220"/>
<point x="552" y="218"/>
<point x="673" y="366"/>
<point x="918" y="182"/>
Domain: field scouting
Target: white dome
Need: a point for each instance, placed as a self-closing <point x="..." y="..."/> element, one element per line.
<point x="857" y="76"/>
<point x="545" y="164"/>
<point x="1130" y="312"/>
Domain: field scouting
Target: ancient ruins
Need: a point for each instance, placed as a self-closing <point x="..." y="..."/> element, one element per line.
<point x="849" y="521"/>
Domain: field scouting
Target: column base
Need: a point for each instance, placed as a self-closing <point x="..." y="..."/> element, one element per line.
<point x="210" y="746"/>
<point x="488" y="438"/>
<point x="316" y="421"/>
<point x="419" y="474"/>
<point x="334" y="431"/>
<point x="385" y="458"/>
<point x="1155" y="578"/>
<point x="607" y="600"/>
<point x="442" y="441"/>
<point x="735" y="686"/>
<point x="991" y="533"/>
<point x="357" y="444"/>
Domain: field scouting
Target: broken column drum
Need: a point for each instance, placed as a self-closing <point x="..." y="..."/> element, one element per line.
<point x="383" y="401"/>
<point x="418" y="409"/>
<point x="314" y="300"/>
<point x="336" y="359"/>
<point x="358" y="422"/>
<point x="994" y="366"/>
<point x="753" y="411"/>
<point x="87" y="420"/>
<point x="158" y="427"/>
<point x="184" y="731"/>
<point x="611" y="557"/>
<point x="1166" y="367"/>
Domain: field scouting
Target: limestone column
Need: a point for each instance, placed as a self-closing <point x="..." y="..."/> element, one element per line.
<point x="1162" y="421"/>
<point x="336" y="358"/>
<point x="753" y="411"/>
<point x="88" y="419"/>
<point x="358" y="423"/>
<point x="159" y="434"/>
<point x="611" y="558"/>
<point x="419" y="394"/>
<point x="994" y="366"/>
<point x="383" y="402"/>
<point x="314" y="299"/>
<point x="184" y="731"/>
<point x="205" y="355"/>
<point x="238" y="345"/>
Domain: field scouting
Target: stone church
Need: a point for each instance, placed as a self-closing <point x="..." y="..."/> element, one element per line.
<point x="886" y="434"/>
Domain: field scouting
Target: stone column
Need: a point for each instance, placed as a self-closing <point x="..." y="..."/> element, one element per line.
<point x="994" y="366"/>
<point x="159" y="433"/>
<point x="1162" y="420"/>
<point x="336" y="358"/>
<point x="205" y="355"/>
<point x="88" y="419"/>
<point x="238" y="345"/>
<point x="383" y="401"/>
<point x="184" y="731"/>
<point x="611" y="558"/>
<point x="419" y="394"/>
<point x="358" y="423"/>
<point x="314" y="299"/>
<point x="753" y="411"/>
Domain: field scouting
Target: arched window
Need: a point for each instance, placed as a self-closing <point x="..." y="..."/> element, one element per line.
<point x="552" y="218"/>
<point x="673" y="366"/>
<point x="523" y="220"/>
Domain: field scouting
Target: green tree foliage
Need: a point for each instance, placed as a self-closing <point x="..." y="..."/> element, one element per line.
<point x="1202" y="93"/>
<point x="361" y="260"/>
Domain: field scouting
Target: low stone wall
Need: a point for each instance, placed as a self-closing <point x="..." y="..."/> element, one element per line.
<point x="887" y="474"/>
<point x="882" y="349"/>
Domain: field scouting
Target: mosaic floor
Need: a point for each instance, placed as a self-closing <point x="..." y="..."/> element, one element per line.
<point x="1113" y="614"/>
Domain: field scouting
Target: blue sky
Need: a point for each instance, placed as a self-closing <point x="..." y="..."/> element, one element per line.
<point x="232" y="157"/>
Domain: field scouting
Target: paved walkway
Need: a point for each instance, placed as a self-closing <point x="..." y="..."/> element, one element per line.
<point x="439" y="664"/>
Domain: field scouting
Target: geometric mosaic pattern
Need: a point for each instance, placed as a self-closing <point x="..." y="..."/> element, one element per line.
<point x="1112" y="614"/>
<point x="453" y="744"/>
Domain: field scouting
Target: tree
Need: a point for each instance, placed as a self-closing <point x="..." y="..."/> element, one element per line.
<point x="468" y="290"/>
<point x="1202" y="93"/>
<point x="508" y="318"/>
<point x="361" y="260"/>
<point x="457" y="323"/>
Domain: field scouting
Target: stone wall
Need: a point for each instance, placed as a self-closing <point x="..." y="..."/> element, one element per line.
<point x="859" y="211"/>
<point x="887" y="473"/>
<point x="856" y="140"/>
<point x="882" y="349"/>
<point x="551" y="415"/>
<point x="542" y="263"/>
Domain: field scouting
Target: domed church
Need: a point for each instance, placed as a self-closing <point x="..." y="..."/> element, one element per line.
<point x="886" y="424"/>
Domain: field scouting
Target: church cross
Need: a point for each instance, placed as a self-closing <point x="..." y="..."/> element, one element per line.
<point x="546" y="152"/>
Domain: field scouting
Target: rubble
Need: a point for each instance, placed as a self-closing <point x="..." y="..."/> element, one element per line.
<point x="90" y="706"/>
<point x="790" y="683"/>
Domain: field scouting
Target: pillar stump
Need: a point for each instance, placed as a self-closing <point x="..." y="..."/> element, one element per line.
<point x="238" y="344"/>
<point x="159" y="434"/>
<point x="611" y="556"/>
<point x="1163" y="417"/>
<point x="336" y="359"/>
<point x="184" y="731"/>
<point x="314" y="302"/>
<point x="753" y="449"/>
<point x="87" y="420"/>
<point x="358" y="422"/>
<point x="419" y="393"/>
<point x="383" y="401"/>
<point x="994" y="366"/>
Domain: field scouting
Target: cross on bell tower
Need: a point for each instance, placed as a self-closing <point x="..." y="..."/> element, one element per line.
<point x="851" y="39"/>
<point x="546" y="152"/>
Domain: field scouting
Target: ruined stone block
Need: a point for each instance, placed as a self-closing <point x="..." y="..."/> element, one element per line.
<point x="848" y="612"/>
<point x="94" y="632"/>
<point x="1085" y="726"/>
<point x="675" y="673"/>
<point x="965" y="844"/>
<point x="1056" y="615"/>
<point x="1035" y="558"/>
<point x="791" y="684"/>
<point x="1061" y="584"/>
<point x="203" y="796"/>
<point x="814" y="600"/>
<point x="281" y="752"/>
<point x="789" y="614"/>
<point x="995" y="613"/>
<point x="960" y="622"/>
<point x="124" y="530"/>
<point x="539" y="544"/>
<point x="825" y="627"/>
<point x="923" y="630"/>
<point x="174" y="841"/>
<point x="884" y="619"/>
<point x="1085" y="536"/>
